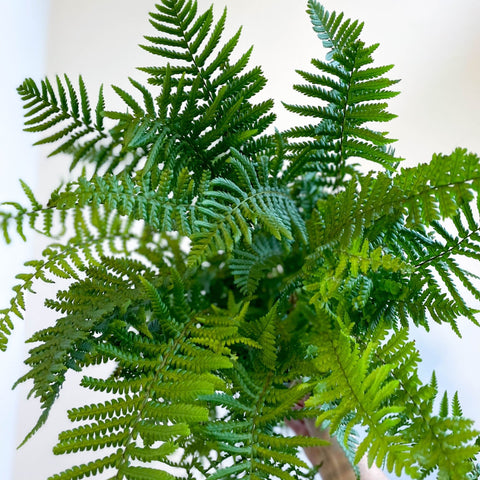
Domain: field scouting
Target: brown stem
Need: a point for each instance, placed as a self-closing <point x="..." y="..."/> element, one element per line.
<point x="331" y="460"/>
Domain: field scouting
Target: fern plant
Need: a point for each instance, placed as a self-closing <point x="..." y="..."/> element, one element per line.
<point x="239" y="277"/>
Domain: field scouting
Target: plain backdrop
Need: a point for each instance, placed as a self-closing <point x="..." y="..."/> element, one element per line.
<point x="434" y="44"/>
<point x="23" y="26"/>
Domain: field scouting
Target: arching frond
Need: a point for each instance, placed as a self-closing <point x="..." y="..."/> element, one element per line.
<point x="231" y="208"/>
<point x="375" y="384"/>
<point x="380" y="209"/>
<point x="104" y="232"/>
<point x="67" y="112"/>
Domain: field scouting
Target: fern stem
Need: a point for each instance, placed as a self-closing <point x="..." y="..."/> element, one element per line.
<point x="257" y="413"/>
<point x="338" y="180"/>
<point x="448" y="251"/>
<point x="147" y="394"/>
<point x="331" y="460"/>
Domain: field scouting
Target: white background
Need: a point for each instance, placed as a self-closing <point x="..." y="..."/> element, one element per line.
<point x="434" y="44"/>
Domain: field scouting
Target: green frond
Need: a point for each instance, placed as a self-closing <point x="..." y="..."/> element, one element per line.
<point x="250" y="266"/>
<point x="231" y="208"/>
<point x="49" y="109"/>
<point x="150" y="200"/>
<point x="36" y="217"/>
<point x="347" y="91"/>
<point x="264" y="332"/>
<point x="335" y="33"/>
<point x="163" y="402"/>
<point x="377" y="203"/>
<point x="356" y="390"/>
<point x="442" y="187"/>
<point x="456" y="408"/>
<point x="92" y="239"/>
<point x="444" y="406"/>
<point x="213" y="89"/>
<point x="421" y="429"/>
<point x="207" y="112"/>
<point x="49" y="361"/>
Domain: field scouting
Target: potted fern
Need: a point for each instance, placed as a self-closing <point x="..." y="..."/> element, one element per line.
<point x="240" y="277"/>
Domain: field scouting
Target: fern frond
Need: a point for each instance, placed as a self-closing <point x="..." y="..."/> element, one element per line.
<point x="104" y="232"/>
<point x="335" y="33"/>
<point x="214" y="90"/>
<point x="159" y="199"/>
<point x="443" y="443"/>
<point x="351" y="387"/>
<point x="250" y="266"/>
<point x="348" y="92"/>
<point x="36" y="217"/>
<point x="153" y="401"/>
<point x="379" y="207"/>
<point x="49" y="361"/>
<point x="231" y="208"/>
<point x="48" y="108"/>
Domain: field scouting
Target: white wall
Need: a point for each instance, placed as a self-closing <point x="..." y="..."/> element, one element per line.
<point x="22" y="53"/>
<point x="435" y="51"/>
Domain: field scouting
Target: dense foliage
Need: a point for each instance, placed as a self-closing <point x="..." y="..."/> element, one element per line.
<point x="235" y="277"/>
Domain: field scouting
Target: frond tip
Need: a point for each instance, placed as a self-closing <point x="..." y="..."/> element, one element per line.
<point x="66" y="109"/>
<point x="350" y="95"/>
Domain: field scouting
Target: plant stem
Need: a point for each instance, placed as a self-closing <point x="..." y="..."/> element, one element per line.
<point x="331" y="460"/>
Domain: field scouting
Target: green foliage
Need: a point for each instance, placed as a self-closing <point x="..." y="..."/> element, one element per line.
<point x="59" y="109"/>
<point x="375" y="384"/>
<point x="349" y="96"/>
<point x="231" y="278"/>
